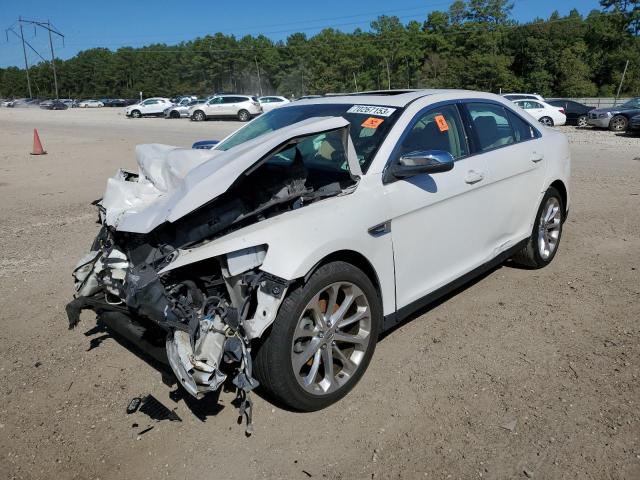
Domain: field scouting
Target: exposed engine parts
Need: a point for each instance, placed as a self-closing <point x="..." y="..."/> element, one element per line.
<point x="204" y="316"/>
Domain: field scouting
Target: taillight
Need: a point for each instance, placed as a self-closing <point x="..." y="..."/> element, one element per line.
<point x="562" y="111"/>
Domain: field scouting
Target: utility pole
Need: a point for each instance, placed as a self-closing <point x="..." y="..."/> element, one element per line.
<point x="26" y="64"/>
<point x="388" y="74"/>
<point x="258" y="70"/>
<point x="355" y="81"/>
<point x="53" y="60"/>
<point x="47" y="26"/>
<point x="624" y="73"/>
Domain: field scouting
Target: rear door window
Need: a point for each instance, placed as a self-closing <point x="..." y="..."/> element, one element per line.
<point x="491" y="125"/>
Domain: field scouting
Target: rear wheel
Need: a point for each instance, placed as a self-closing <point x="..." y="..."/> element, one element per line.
<point x="582" y="121"/>
<point x="244" y="116"/>
<point x="322" y="339"/>
<point x="199" y="116"/>
<point x="618" y="123"/>
<point x="548" y="121"/>
<point x="547" y="231"/>
<point x="175" y="114"/>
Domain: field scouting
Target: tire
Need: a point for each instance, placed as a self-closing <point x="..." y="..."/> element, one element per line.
<point x="582" y="121"/>
<point x="198" y="116"/>
<point x="288" y="343"/>
<point x="244" y="116"/>
<point x="175" y="114"/>
<point x="547" y="121"/>
<point x="618" y="123"/>
<point x="136" y="114"/>
<point x="535" y="254"/>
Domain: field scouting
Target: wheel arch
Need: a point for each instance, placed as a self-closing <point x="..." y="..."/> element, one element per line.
<point x="354" y="258"/>
<point x="562" y="189"/>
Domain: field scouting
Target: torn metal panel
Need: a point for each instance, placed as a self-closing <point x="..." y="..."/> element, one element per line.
<point x="173" y="182"/>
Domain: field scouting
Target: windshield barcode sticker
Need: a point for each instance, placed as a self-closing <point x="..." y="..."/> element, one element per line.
<point x="371" y="110"/>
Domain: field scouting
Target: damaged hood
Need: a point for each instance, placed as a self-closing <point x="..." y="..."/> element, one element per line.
<point x="173" y="181"/>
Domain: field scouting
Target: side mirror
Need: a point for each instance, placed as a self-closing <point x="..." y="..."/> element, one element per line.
<point x="418" y="163"/>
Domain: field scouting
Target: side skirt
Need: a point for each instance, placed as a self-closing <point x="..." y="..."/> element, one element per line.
<point x="403" y="313"/>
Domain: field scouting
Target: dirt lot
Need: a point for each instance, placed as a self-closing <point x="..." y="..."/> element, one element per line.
<point x="532" y="371"/>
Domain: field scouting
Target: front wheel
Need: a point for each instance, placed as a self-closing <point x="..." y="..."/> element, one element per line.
<point x="618" y="123"/>
<point x="198" y="116"/>
<point x="136" y="114"/>
<point x="244" y="116"/>
<point x="547" y="230"/>
<point x="582" y="121"/>
<point x="322" y="339"/>
<point x="547" y="121"/>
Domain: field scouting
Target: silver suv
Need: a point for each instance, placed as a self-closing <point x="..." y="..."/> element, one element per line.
<point x="242" y="107"/>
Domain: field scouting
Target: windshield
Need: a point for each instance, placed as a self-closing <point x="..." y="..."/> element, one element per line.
<point x="369" y="125"/>
<point x="633" y="103"/>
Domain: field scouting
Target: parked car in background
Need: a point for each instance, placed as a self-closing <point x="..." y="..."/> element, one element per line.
<point x="318" y="234"/>
<point x="576" y="112"/>
<point x="69" y="102"/>
<point x="8" y="103"/>
<point x="523" y="96"/>
<point x="205" y="144"/>
<point x="543" y="112"/>
<point x="242" y="107"/>
<point x="54" y="105"/>
<point x="114" y="102"/>
<point x="150" y="107"/>
<point x="615" y="118"/>
<point x="634" y="125"/>
<point x="269" y="103"/>
<point x="45" y="104"/>
<point x="181" y="109"/>
<point x="90" y="104"/>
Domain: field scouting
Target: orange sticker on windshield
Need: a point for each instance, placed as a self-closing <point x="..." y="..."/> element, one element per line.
<point x="442" y="123"/>
<point x="372" y="122"/>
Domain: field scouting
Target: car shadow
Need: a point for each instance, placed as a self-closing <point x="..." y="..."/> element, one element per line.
<point x="209" y="405"/>
<point x="155" y="356"/>
<point x="445" y="298"/>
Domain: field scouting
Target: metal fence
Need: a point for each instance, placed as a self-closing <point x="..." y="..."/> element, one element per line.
<point x="600" y="102"/>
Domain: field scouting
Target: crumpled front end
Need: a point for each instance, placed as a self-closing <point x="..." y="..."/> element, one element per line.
<point x="212" y="306"/>
<point x="202" y="310"/>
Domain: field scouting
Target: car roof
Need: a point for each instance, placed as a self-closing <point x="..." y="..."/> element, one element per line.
<point x="395" y="98"/>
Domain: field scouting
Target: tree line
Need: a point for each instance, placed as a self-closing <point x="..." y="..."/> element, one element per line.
<point x="475" y="44"/>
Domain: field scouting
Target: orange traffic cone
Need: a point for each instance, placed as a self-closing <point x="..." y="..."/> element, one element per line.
<point x="37" y="146"/>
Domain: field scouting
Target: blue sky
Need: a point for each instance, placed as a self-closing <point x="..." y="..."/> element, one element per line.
<point x="118" y="23"/>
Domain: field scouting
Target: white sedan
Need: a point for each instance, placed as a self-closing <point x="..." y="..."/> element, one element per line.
<point x="543" y="112"/>
<point x="269" y="103"/>
<point x="281" y="255"/>
<point x="90" y="104"/>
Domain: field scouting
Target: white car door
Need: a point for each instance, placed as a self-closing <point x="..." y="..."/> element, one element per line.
<point x="512" y="150"/>
<point x="439" y="221"/>
<point x="213" y="107"/>
<point x="147" y="106"/>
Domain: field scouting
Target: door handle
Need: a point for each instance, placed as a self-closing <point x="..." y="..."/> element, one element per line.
<point x="536" y="157"/>
<point x="473" y="176"/>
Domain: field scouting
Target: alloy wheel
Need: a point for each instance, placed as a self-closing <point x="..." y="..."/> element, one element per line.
<point x="549" y="228"/>
<point x="618" y="123"/>
<point x="331" y="338"/>
<point x="582" y="121"/>
<point x="546" y="121"/>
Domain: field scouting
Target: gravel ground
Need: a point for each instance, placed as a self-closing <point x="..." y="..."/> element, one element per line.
<point x="521" y="373"/>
